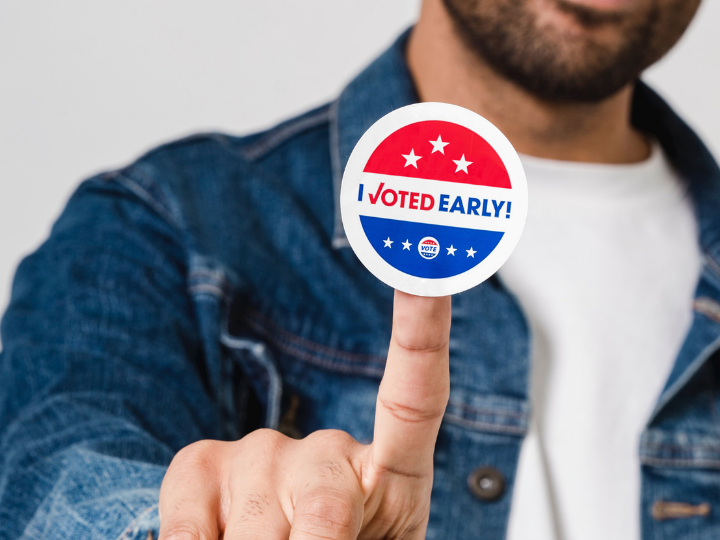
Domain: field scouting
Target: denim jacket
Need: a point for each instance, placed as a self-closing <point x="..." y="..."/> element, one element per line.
<point x="208" y="289"/>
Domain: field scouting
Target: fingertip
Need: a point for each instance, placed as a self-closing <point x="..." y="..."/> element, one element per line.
<point x="421" y="322"/>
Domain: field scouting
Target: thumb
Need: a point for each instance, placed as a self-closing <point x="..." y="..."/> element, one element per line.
<point x="415" y="387"/>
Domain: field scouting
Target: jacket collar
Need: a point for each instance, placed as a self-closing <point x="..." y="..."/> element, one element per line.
<point x="691" y="159"/>
<point x="699" y="170"/>
<point x="386" y="85"/>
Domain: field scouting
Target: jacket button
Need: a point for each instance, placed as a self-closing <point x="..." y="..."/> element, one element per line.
<point x="486" y="483"/>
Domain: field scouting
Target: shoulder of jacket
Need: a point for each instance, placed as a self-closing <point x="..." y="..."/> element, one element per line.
<point x="157" y="175"/>
<point x="251" y="147"/>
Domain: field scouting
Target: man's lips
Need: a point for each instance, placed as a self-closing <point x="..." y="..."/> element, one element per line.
<point x="605" y="5"/>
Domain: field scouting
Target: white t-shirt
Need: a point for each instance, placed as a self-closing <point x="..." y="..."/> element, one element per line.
<point x="605" y="272"/>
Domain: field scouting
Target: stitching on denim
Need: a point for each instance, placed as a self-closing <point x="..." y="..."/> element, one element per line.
<point x="713" y="265"/>
<point x="269" y="329"/>
<point x="311" y="358"/>
<point x="489" y="412"/>
<point x="682" y="447"/>
<point x="134" y="186"/>
<point x="276" y="137"/>
<point x="685" y="461"/>
<point x="299" y="347"/>
<point x="339" y="237"/>
<point x="689" y="463"/>
<point x="218" y="283"/>
<point x="208" y="288"/>
<point x="689" y="372"/>
<point x="129" y="529"/>
<point x="485" y="426"/>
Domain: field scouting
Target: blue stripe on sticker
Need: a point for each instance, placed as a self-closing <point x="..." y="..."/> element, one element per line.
<point x="446" y="251"/>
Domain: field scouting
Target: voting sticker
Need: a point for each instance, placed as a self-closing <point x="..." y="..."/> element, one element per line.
<point x="433" y="199"/>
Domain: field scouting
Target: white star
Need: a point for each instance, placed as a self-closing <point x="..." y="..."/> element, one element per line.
<point x="452" y="250"/>
<point x="439" y="146"/>
<point x="388" y="242"/>
<point x="462" y="165"/>
<point x="406" y="244"/>
<point x="411" y="158"/>
<point x="471" y="252"/>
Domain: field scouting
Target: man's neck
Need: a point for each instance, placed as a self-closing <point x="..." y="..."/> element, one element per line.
<point x="445" y="70"/>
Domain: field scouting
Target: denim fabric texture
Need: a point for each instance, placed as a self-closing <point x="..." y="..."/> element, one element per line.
<point x="208" y="289"/>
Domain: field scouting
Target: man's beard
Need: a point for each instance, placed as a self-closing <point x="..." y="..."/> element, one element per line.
<point x="569" y="66"/>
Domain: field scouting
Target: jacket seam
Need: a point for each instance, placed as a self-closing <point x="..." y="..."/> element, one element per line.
<point x="302" y="349"/>
<point x="685" y="463"/>
<point x="339" y="239"/>
<point x="481" y="410"/>
<point x="682" y="447"/>
<point x="484" y="426"/>
<point x="307" y="356"/>
<point x="133" y="186"/>
<point x="278" y="136"/>
<point x="688" y="373"/>
<point x="275" y="333"/>
<point x="206" y="288"/>
<point x="712" y="265"/>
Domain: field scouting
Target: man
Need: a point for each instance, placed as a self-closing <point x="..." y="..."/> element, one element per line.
<point x="208" y="290"/>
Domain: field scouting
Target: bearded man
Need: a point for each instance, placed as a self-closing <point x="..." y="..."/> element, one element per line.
<point x="196" y="352"/>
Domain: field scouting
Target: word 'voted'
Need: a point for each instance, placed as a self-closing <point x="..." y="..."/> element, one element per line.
<point x="425" y="201"/>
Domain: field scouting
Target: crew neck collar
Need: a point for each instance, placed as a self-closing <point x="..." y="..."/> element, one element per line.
<point x="648" y="183"/>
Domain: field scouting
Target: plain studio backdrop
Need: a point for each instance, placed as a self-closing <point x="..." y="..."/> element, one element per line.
<point x="87" y="86"/>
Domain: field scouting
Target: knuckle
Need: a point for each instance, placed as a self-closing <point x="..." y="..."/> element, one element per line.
<point x="197" y="456"/>
<point x="185" y="531"/>
<point x="388" y="470"/>
<point x="260" y="451"/>
<point x="405" y="412"/>
<point x="422" y="344"/>
<point x="333" y="440"/>
<point x="326" y="516"/>
<point x="266" y="438"/>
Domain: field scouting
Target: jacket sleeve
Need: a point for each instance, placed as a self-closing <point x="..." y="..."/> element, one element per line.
<point x="101" y="372"/>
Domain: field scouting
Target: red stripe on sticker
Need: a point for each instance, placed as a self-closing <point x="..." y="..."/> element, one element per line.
<point x="438" y="150"/>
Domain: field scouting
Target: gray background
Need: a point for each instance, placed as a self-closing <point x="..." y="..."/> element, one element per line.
<point x="88" y="85"/>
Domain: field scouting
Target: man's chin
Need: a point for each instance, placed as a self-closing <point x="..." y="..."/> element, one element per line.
<point x="570" y="50"/>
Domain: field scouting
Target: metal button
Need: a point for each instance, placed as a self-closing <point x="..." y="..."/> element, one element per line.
<point x="486" y="483"/>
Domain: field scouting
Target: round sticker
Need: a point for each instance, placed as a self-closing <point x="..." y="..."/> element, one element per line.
<point x="433" y="199"/>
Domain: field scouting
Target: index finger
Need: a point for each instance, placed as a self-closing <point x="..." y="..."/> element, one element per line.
<point x="415" y="387"/>
<point x="189" y="503"/>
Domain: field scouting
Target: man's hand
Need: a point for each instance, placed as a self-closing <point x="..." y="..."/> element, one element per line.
<point x="327" y="485"/>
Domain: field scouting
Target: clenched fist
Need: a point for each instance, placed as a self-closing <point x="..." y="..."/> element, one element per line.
<point x="327" y="485"/>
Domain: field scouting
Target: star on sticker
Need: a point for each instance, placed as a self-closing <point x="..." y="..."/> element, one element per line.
<point x="406" y="244"/>
<point x="388" y="242"/>
<point x="439" y="146"/>
<point x="411" y="158"/>
<point x="471" y="252"/>
<point x="462" y="165"/>
<point x="452" y="250"/>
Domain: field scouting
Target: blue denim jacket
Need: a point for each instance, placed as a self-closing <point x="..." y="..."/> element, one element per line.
<point x="208" y="289"/>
